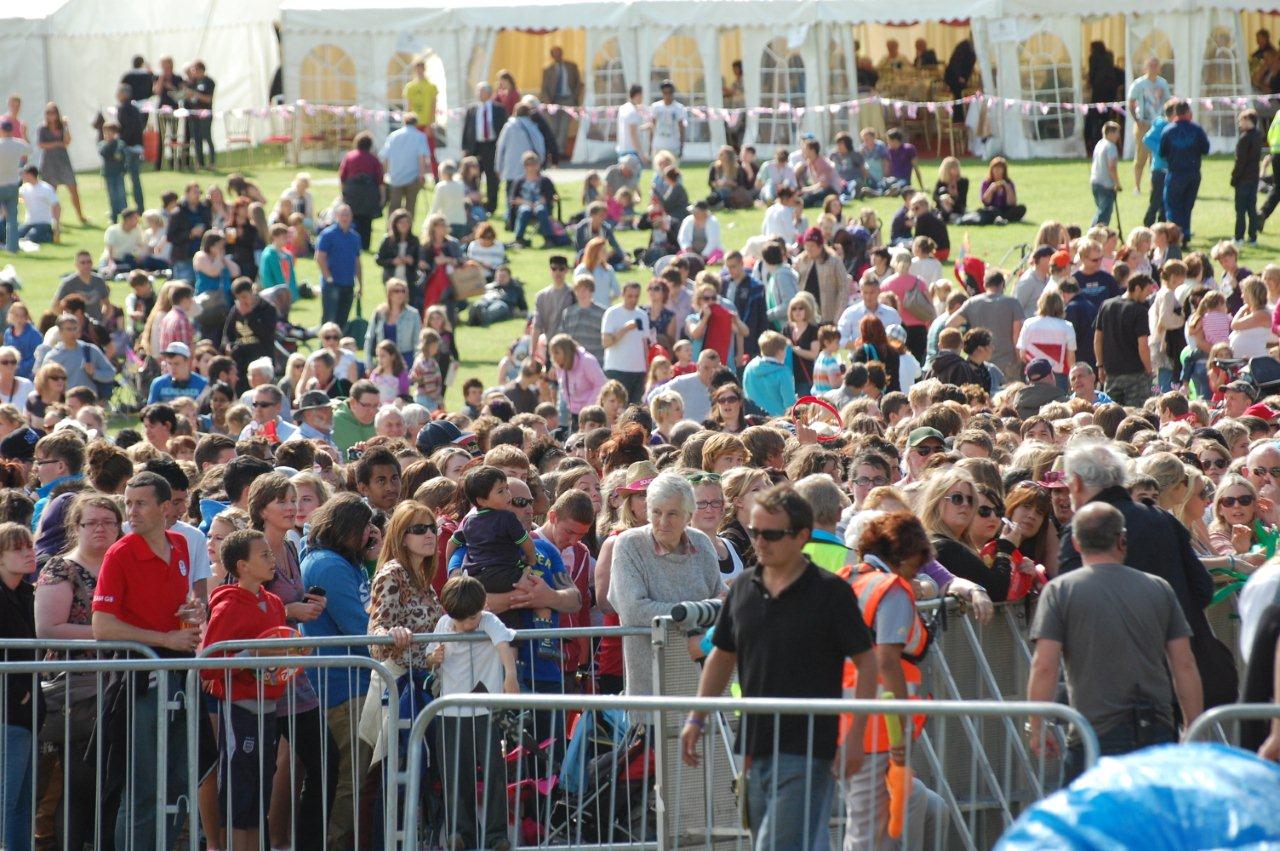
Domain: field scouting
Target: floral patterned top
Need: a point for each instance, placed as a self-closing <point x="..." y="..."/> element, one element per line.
<point x="398" y="601"/>
<point x="58" y="570"/>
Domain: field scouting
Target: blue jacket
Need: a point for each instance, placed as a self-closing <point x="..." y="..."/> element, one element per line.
<point x="770" y="384"/>
<point x="1152" y="141"/>
<point x="45" y="492"/>
<point x="346" y="612"/>
<point x="1183" y="144"/>
<point x="26" y="343"/>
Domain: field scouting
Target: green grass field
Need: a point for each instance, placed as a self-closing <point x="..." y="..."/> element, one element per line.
<point x="1050" y="189"/>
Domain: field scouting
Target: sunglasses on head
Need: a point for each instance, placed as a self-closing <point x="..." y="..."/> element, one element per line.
<point x="1217" y="463"/>
<point x="987" y="510"/>
<point x="1244" y="501"/>
<point x="422" y="529"/>
<point x="958" y="498"/>
<point x="521" y="501"/>
<point x="772" y="535"/>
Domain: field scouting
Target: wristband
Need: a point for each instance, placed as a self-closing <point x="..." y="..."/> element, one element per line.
<point x="695" y="721"/>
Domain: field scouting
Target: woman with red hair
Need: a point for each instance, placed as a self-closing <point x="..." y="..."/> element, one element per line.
<point x="873" y="344"/>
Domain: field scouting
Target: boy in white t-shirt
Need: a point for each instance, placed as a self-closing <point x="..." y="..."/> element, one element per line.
<point x="631" y="125"/>
<point x="44" y="214"/>
<point x="669" y="120"/>
<point x="468" y="735"/>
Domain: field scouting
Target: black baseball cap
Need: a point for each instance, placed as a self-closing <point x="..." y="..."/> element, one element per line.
<point x="20" y="445"/>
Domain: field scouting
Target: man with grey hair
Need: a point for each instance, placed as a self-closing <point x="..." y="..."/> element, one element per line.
<point x="1114" y="628"/>
<point x="406" y="157"/>
<point x="258" y="372"/>
<point x="1095" y="473"/>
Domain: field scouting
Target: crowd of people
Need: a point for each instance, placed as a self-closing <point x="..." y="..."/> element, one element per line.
<point x="821" y="432"/>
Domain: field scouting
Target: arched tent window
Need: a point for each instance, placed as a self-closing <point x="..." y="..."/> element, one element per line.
<point x="1047" y="75"/>
<point x="399" y="72"/>
<point x="679" y="60"/>
<point x="839" y="85"/>
<point x="328" y="76"/>
<point x="610" y="81"/>
<point x="1220" y="77"/>
<point x="781" y="81"/>
<point x="1154" y="43"/>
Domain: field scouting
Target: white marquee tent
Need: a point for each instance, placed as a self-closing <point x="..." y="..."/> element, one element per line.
<point x="74" y="52"/>
<point x="800" y="52"/>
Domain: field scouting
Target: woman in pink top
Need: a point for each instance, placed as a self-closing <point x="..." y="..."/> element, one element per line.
<point x="900" y="283"/>
<point x="578" y="373"/>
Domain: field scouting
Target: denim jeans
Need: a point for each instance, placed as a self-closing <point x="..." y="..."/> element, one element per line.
<point x="132" y="167"/>
<point x="335" y="303"/>
<point x="16" y="793"/>
<point x="36" y="232"/>
<point x="1195" y="371"/>
<point x="1105" y="199"/>
<point x="117" y="200"/>
<point x="136" y="822"/>
<point x="1180" y="191"/>
<point x="1117" y="741"/>
<point x="1164" y="379"/>
<point x="1247" y="210"/>
<point x="9" y="203"/>
<point x="527" y="212"/>
<point x="184" y="271"/>
<point x="789" y="802"/>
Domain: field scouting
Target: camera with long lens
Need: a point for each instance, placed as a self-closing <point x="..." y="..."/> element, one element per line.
<point x="699" y="614"/>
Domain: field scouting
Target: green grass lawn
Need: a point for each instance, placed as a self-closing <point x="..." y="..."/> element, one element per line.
<point x="1050" y="189"/>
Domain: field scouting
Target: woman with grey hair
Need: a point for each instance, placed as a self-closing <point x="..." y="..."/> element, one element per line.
<point x="656" y="566"/>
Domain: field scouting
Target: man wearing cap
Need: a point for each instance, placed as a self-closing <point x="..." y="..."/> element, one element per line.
<point x="13" y="156"/>
<point x="180" y="380"/>
<point x="1237" y="396"/>
<point x="314" y="417"/>
<point x="1120" y="343"/>
<point x="440" y="433"/>
<point x="669" y="121"/>
<point x="1041" y="389"/>
<point x="1034" y="280"/>
<point x="921" y="443"/>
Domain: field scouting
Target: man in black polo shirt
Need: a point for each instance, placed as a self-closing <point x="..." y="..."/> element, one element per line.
<point x="788" y="627"/>
<point x="1120" y="336"/>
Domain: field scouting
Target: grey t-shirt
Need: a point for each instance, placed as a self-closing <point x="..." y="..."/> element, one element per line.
<point x="996" y="313"/>
<point x="1113" y="622"/>
<point x="94" y="292"/>
<point x="13" y="151"/>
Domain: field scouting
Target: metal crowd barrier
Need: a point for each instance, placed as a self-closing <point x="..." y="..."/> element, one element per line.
<point x="632" y="793"/>
<point x="1213" y="725"/>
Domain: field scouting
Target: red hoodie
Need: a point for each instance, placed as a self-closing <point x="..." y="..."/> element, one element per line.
<point x="237" y="615"/>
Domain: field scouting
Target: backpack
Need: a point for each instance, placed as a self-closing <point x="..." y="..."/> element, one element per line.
<point x="363" y="195"/>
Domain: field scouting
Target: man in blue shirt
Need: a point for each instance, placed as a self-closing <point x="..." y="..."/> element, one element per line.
<point x="1182" y="144"/>
<point x="746" y="294"/>
<point x="406" y="157"/>
<point x="338" y="256"/>
<point x="1159" y="167"/>
<point x="180" y="380"/>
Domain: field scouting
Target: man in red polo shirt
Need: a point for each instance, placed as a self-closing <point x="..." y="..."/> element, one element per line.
<point x="141" y="596"/>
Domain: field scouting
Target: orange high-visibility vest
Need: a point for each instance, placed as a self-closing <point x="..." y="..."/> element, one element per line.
<point x="870" y="586"/>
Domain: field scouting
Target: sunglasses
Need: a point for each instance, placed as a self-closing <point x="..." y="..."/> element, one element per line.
<point x="986" y="510"/>
<point x="8" y="363"/>
<point x="959" y="499"/>
<point x="1244" y="501"/>
<point x="1274" y="472"/>
<point x="771" y="535"/>
<point x="521" y="501"/>
<point x="729" y="400"/>
<point x="656" y="290"/>
<point x="863" y="481"/>
<point x="1216" y="463"/>
<point x="422" y="529"/>
<point x="264" y="404"/>
<point x="925" y="451"/>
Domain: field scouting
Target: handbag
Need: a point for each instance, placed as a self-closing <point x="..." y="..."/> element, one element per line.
<point x="468" y="281"/>
<point x="917" y="302"/>
<point x="358" y="327"/>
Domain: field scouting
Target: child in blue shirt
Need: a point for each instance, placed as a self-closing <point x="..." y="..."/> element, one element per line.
<point x="828" y="372"/>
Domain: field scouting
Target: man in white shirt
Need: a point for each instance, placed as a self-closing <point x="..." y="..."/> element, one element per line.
<point x="123" y="245"/>
<point x="669" y="120"/>
<point x="849" y="321"/>
<point x="44" y="213"/>
<point x="630" y="125"/>
<point x="784" y="217"/>
<point x="695" y="387"/>
<point x="625" y="333"/>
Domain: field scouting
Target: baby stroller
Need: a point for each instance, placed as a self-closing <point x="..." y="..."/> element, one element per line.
<point x="607" y="783"/>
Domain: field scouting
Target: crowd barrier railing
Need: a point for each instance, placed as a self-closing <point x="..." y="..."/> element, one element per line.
<point x="1222" y="723"/>
<point x="629" y="796"/>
